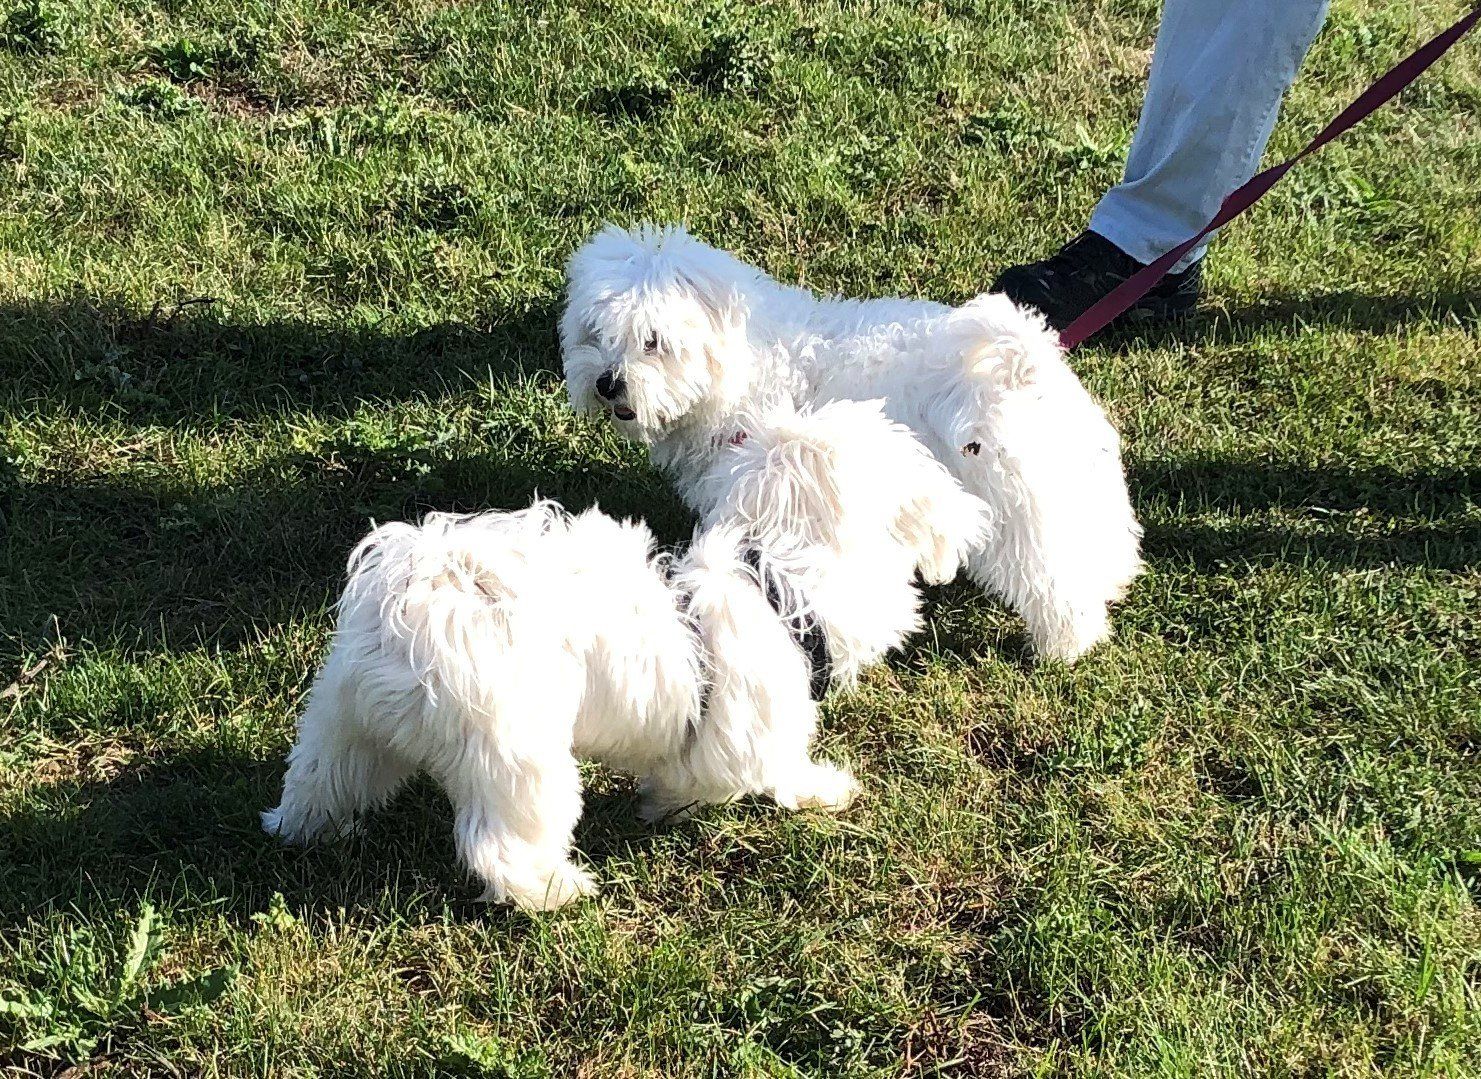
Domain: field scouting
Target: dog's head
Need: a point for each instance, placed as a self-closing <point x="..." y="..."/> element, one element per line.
<point x="844" y="479"/>
<point x="654" y="328"/>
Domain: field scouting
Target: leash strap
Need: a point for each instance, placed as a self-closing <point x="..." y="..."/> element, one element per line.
<point x="806" y="629"/>
<point x="1120" y="299"/>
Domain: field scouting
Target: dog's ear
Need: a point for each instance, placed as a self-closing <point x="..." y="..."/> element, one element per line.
<point x="940" y="521"/>
<point x="710" y="278"/>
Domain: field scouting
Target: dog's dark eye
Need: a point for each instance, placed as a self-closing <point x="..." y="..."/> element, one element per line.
<point x="651" y="344"/>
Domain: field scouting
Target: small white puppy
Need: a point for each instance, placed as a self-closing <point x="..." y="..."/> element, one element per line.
<point x="494" y="650"/>
<point x="676" y="340"/>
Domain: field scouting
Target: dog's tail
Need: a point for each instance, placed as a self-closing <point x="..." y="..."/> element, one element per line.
<point x="993" y="352"/>
<point x="439" y="593"/>
<point x="1001" y="346"/>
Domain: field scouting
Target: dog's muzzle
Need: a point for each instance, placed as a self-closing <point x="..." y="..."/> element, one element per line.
<point x="612" y="388"/>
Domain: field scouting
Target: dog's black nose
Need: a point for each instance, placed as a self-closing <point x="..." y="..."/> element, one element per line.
<point x="610" y="387"/>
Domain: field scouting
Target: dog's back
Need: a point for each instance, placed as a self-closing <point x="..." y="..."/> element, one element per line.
<point x="488" y="650"/>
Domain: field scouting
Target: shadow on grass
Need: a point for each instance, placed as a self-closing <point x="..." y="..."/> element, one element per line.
<point x="1430" y="521"/>
<point x="960" y="625"/>
<point x="156" y="564"/>
<point x="146" y="559"/>
<point x="1346" y="310"/>
<point x="184" y="830"/>
<point x="190" y="366"/>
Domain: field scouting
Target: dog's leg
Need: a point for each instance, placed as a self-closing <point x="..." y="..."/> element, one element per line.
<point x="330" y="781"/>
<point x="810" y="784"/>
<point x="794" y="783"/>
<point x="670" y="796"/>
<point x="333" y="772"/>
<point x="1059" y="626"/>
<point x="755" y="739"/>
<point x="1065" y="544"/>
<point x="515" y="815"/>
<point x="1021" y="433"/>
<point x="790" y="774"/>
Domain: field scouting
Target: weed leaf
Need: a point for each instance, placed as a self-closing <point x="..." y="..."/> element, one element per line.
<point x="26" y="1009"/>
<point x="142" y="945"/>
<point x="193" y="992"/>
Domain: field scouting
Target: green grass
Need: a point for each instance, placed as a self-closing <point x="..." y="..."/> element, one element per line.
<point x="270" y="270"/>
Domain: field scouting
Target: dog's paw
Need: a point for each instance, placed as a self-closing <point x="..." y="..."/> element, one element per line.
<point x="272" y="823"/>
<point x="1068" y="639"/>
<point x="656" y="809"/>
<point x="294" y="830"/>
<point x="659" y="804"/>
<point x="822" y="787"/>
<point x="302" y="830"/>
<point x="565" y="884"/>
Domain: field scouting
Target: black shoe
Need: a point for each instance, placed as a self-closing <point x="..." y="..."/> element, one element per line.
<point x="1064" y="285"/>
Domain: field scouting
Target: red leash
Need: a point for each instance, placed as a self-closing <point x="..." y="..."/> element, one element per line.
<point x="1120" y="299"/>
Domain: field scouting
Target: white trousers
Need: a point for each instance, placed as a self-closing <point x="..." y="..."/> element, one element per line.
<point x="1219" y="71"/>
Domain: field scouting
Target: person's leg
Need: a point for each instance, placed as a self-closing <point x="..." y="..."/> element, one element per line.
<point x="1219" y="73"/>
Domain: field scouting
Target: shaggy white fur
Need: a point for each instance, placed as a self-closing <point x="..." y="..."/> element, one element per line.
<point x="677" y="340"/>
<point x="494" y="650"/>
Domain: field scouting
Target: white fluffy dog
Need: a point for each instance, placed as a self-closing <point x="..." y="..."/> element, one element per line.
<point x="676" y="340"/>
<point x="494" y="650"/>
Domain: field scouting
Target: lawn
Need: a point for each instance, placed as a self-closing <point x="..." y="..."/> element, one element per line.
<point x="270" y="270"/>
